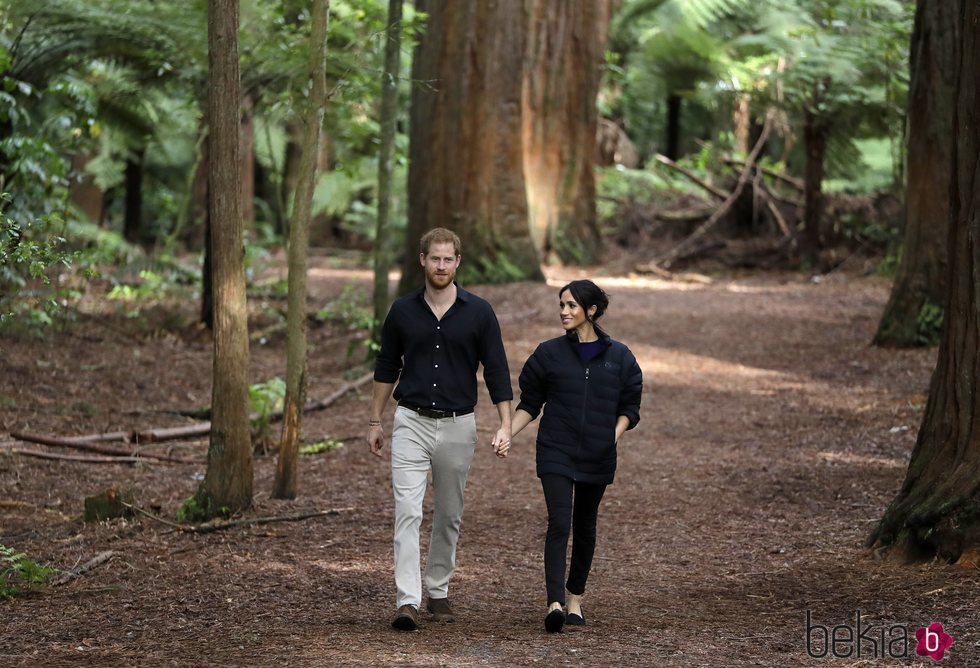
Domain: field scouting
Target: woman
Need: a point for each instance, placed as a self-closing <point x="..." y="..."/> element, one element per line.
<point x="590" y="387"/>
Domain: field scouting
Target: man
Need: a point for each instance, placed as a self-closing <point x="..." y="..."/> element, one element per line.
<point x="432" y="343"/>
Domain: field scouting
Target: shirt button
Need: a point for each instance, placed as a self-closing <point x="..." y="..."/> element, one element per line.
<point x="433" y="384"/>
<point x="437" y="366"/>
<point x="438" y="327"/>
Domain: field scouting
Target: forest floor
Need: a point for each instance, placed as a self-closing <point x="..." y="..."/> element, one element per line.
<point x="772" y="438"/>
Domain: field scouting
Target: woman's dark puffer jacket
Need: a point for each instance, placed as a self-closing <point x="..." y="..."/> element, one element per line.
<point x="577" y="435"/>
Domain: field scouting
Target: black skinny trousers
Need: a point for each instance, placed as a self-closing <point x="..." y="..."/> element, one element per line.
<point x="572" y="508"/>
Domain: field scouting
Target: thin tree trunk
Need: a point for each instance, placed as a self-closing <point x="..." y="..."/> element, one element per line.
<point x="386" y="155"/>
<point x="133" y="214"/>
<point x="937" y="511"/>
<point x="285" y="483"/>
<point x="673" y="134"/>
<point x="227" y="485"/>
<point x="465" y="149"/>
<point x="561" y="82"/>
<point x="920" y="283"/>
<point x="290" y="169"/>
<point x="815" y="134"/>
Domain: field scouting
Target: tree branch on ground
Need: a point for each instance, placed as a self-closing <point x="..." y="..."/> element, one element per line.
<point x="219" y="525"/>
<point x="79" y="571"/>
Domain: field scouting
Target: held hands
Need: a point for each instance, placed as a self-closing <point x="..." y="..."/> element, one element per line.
<point x="501" y="442"/>
<point x="375" y="439"/>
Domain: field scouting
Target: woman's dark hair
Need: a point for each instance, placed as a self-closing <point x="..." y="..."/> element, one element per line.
<point x="588" y="294"/>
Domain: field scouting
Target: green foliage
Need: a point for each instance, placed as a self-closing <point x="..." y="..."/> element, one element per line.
<point x="31" y="250"/>
<point x="18" y="573"/>
<point x="350" y="309"/>
<point x="929" y="324"/>
<point x="200" y="508"/>
<point x="319" y="447"/>
<point x="264" y="399"/>
<point x="890" y="263"/>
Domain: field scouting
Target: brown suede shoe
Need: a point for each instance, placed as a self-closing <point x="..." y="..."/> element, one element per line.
<point x="406" y="619"/>
<point x="441" y="612"/>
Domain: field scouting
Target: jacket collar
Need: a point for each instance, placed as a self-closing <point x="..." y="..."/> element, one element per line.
<point x="604" y="338"/>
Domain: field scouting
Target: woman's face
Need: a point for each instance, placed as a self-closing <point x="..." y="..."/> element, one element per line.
<point x="572" y="313"/>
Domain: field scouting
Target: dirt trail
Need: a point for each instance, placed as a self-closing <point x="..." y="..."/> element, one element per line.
<point x="772" y="437"/>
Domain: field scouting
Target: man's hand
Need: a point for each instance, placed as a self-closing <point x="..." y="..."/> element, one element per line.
<point x="376" y="439"/>
<point x="501" y="442"/>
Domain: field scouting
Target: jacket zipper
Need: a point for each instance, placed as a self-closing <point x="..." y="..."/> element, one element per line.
<point x="581" y="427"/>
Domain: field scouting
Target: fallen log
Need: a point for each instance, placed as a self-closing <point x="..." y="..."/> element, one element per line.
<point x="101" y="449"/>
<point x="40" y="454"/>
<point x="667" y="258"/>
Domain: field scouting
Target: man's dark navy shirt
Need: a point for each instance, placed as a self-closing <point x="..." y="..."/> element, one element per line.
<point x="437" y="360"/>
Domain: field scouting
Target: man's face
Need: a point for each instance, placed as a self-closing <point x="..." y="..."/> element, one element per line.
<point x="440" y="264"/>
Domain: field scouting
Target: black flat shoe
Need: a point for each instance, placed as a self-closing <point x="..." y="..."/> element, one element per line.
<point x="575" y="620"/>
<point x="554" y="621"/>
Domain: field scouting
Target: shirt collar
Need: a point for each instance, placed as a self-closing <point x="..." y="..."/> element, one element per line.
<point x="461" y="294"/>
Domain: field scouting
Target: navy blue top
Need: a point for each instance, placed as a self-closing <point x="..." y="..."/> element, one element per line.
<point x="587" y="350"/>
<point x="435" y="361"/>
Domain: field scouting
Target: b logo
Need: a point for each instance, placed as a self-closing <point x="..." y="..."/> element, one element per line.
<point x="933" y="641"/>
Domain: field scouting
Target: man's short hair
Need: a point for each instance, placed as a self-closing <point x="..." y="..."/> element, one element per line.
<point x="439" y="235"/>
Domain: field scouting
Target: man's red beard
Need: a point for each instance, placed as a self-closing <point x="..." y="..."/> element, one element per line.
<point x="440" y="281"/>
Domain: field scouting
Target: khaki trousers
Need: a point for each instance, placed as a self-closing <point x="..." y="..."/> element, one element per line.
<point x="445" y="446"/>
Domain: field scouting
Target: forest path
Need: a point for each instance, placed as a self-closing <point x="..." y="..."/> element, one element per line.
<point x="772" y="437"/>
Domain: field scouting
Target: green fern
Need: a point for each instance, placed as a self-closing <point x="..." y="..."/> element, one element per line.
<point x="18" y="574"/>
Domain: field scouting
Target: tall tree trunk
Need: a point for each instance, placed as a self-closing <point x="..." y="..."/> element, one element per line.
<point x="937" y="511"/>
<point x="227" y="485"/>
<point x="386" y="156"/>
<point x="672" y="148"/>
<point x="133" y="210"/>
<point x="815" y="133"/>
<point x="284" y="486"/>
<point x="564" y="54"/>
<point x="921" y="280"/>
<point x="465" y="169"/>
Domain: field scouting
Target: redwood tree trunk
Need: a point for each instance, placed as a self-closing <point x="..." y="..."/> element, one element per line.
<point x="248" y="160"/>
<point x="815" y="133"/>
<point x="284" y="486"/>
<point x="564" y="54"/>
<point x="465" y="149"/>
<point x="921" y="279"/>
<point x="227" y="485"/>
<point x="937" y="511"/>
